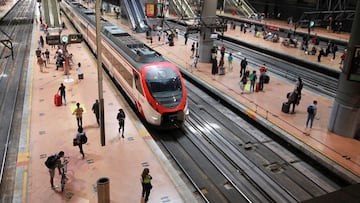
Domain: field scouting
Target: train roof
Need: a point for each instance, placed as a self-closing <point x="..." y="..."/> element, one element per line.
<point x="133" y="49"/>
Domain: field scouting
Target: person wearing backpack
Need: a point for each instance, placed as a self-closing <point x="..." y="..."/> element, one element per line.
<point x="252" y="79"/>
<point x="311" y="110"/>
<point x="53" y="162"/>
<point x="80" y="140"/>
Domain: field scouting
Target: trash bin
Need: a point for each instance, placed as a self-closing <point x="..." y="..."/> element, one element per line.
<point x="103" y="190"/>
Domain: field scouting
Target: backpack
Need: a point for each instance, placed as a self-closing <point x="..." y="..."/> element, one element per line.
<point x="310" y="109"/>
<point x="83" y="138"/>
<point x="51" y="161"/>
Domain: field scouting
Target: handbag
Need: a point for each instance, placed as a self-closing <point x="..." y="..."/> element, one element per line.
<point x="75" y="142"/>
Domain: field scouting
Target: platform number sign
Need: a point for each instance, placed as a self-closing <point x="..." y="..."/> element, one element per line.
<point x="75" y="38"/>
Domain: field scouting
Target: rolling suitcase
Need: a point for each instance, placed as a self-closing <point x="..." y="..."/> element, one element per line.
<point x="285" y="107"/>
<point x="266" y="79"/>
<point x="257" y="86"/>
<point x="221" y="71"/>
<point x="57" y="100"/>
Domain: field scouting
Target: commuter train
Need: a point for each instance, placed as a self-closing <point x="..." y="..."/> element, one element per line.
<point x="154" y="85"/>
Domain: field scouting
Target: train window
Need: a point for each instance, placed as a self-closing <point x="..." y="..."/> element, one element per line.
<point x="138" y="83"/>
<point x="163" y="82"/>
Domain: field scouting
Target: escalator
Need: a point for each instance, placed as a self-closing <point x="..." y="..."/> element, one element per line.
<point x="136" y="15"/>
<point x="241" y="7"/>
<point x="183" y="8"/>
<point x="50" y="13"/>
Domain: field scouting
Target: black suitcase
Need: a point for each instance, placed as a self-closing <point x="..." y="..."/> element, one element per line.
<point x="285" y="107"/>
<point x="266" y="79"/>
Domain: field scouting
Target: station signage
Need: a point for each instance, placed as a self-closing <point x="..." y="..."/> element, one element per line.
<point x="75" y="38"/>
<point x="53" y="39"/>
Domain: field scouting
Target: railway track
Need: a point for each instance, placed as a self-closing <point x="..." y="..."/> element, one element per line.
<point x="16" y="26"/>
<point x="313" y="79"/>
<point x="229" y="160"/>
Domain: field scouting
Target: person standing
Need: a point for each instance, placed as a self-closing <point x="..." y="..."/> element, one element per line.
<point x="62" y="92"/>
<point x="293" y="99"/>
<point x="95" y="109"/>
<point x="57" y="164"/>
<point x="214" y="68"/>
<point x="243" y="65"/>
<point x="230" y="59"/>
<point x="79" y="72"/>
<point x="222" y="52"/>
<point x="79" y="137"/>
<point x="121" y="118"/>
<point x="146" y="184"/>
<point x="78" y="113"/>
<point x="252" y="79"/>
<point x="261" y="80"/>
<point x="311" y="110"/>
<point x="299" y="85"/>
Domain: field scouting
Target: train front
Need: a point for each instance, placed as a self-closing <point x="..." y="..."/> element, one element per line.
<point x="166" y="94"/>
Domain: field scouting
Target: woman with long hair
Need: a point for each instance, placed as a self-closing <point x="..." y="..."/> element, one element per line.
<point x="146" y="184"/>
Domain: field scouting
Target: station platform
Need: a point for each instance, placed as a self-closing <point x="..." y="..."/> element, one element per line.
<point x="295" y="52"/>
<point x="48" y="129"/>
<point x="265" y="106"/>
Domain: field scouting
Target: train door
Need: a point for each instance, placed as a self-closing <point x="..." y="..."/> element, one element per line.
<point x="139" y="93"/>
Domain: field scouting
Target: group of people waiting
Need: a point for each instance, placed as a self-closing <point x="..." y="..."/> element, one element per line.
<point x="246" y="76"/>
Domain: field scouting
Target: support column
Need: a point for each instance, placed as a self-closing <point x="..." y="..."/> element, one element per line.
<point x="205" y="42"/>
<point x="345" y="115"/>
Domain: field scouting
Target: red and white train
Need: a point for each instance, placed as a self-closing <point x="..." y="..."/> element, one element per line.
<point x="154" y="85"/>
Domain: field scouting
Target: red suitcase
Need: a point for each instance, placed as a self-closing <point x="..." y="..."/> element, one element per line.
<point x="257" y="87"/>
<point x="57" y="100"/>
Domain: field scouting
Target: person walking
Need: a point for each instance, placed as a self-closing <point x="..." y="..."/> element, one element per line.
<point x="79" y="72"/>
<point x="311" y="110"/>
<point x="47" y="55"/>
<point x="41" y="41"/>
<point x="62" y="92"/>
<point x="146" y="184"/>
<point x="343" y="56"/>
<point x="195" y="61"/>
<point x="192" y="49"/>
<point x="243" y="65"/>
<point x="79" y="139"/>
<point x="56" y="163"/>
<point x="121" y="118"/>
<point x="95" y="109"/>
<point x="252" y="79"/>
<point x="230" y="59"/>
<point x="78" y="113"/>
<point x="186" y="36"/>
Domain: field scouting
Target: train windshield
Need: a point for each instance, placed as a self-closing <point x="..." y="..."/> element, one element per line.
<point x="163" y="82"/>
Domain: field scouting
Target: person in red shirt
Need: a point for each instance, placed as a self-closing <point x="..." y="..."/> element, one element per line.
<point x="343" y="56"/>
<point x="263" y="68"/>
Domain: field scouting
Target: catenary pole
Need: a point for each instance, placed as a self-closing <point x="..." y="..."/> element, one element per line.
<point x="99" y="68"/>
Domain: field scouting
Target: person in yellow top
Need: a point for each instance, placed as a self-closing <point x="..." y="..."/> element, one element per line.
<point x="78" y="113"/>
<point x="146" y="184"/>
